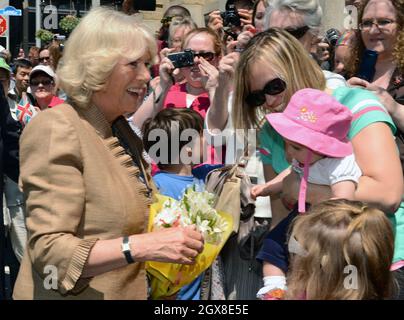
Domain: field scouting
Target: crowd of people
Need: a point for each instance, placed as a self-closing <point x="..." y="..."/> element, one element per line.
<point x="323" y="162"/>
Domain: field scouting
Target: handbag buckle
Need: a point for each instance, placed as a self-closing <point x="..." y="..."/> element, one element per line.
<point x="243" y="162"/>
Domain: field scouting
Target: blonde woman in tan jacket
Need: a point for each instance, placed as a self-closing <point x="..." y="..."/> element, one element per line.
<point x="87" y="186"/>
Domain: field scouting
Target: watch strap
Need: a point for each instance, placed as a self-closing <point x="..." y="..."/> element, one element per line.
<point x="126" y="250"/>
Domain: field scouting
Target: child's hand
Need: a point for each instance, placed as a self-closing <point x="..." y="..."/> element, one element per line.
<point x="259" y="190"/>
<point x="274" y="288"/>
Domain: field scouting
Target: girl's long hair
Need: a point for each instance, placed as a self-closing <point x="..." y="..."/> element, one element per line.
<point x="348" y="249"/>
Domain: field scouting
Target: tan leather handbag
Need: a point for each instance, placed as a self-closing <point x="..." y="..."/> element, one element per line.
<point x="232" y="187"/>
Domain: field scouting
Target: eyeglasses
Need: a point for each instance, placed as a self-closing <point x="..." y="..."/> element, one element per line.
<point x="208" y="56"/>
<point x="44" y="58"/>
<point x="381" y="24"/>
<point x="37" y="82"/>
<point x="298" y="32"/>
<point x="272" y="88"/>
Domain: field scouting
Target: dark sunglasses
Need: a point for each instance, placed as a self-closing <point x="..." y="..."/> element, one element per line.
<point x="298" y="32"/>
<point x="272" y="88"/>
<point x="44" y="58"/>
<point x="208" y="56"/>
<point x="45" y="82"/>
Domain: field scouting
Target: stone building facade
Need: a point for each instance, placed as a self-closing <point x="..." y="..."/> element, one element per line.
<point x="334" y="15"/>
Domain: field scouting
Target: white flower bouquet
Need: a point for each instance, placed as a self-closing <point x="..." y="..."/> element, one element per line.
<point x="195" y="208"/>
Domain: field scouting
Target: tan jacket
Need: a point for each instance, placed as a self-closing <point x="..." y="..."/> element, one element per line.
<point x="80" y="186"/>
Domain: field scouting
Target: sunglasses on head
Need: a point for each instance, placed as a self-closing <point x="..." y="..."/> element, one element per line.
<point x="272" y="88"/>
<point x="208" y="56"/>
<point x="37" y="82"/>
<point x="298" y="32"/>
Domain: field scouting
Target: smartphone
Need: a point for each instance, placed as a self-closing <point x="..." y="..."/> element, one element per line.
<point x="367" y="67"/>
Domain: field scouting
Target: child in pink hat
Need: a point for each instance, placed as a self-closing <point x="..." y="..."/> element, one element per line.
<point x="314" y="126"/>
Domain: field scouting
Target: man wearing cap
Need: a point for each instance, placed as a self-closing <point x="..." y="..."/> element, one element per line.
<point x="42" y="84"/>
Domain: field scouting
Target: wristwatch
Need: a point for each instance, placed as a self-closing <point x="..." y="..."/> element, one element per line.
<point x="126" y="250"/>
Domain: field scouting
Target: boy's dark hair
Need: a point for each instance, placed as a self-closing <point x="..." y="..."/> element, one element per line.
<point x="21" y="63"/>
<point x="173" y="121"/>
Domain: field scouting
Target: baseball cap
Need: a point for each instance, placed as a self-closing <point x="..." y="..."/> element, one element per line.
<point x="4" y="65"/>
<point x="41" y="68"/>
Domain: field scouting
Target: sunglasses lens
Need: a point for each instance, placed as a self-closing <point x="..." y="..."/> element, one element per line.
<point x="272" y="88"/>
<point x="255" y="99"/>
<point x="44" y="82"/>
<point x="208" y="56"/>
<point x="299" y="32"/>
<point x="275" y="87"/>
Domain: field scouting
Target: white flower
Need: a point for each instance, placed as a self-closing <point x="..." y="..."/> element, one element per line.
<point x="196" y="207"/>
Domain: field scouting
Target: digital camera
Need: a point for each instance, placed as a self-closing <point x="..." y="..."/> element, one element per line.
<point x="332" y="36"/>
<point x="231" y="17"/>
<point x="58" y="37"/>
<point x="182" y="59"/>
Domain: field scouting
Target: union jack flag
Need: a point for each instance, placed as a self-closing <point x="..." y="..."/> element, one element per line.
<point x="25" y="111"/>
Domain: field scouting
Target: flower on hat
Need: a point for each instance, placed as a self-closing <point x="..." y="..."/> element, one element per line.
<point x="306" y="115"/>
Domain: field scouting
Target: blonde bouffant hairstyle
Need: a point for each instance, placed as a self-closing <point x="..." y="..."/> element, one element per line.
<point x="337" y="234"/>
<point x="287" y="58"/>
<point x="93" y="49"/>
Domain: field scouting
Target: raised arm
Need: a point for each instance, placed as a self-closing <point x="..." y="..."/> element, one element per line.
<point x="218" y="111"/>
<point x="155" y="101"/>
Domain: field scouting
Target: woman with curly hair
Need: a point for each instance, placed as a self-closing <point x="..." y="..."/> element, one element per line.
<point x="381" y="29"/>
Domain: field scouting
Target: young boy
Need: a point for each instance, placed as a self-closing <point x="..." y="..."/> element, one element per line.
<point x="179" y="145"/>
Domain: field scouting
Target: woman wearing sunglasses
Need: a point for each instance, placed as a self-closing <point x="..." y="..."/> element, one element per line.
<point x="200" y="78"/>
<point x="42" y="84"/>
<point x="271" y="69"/>
<point x="200" y="82"/>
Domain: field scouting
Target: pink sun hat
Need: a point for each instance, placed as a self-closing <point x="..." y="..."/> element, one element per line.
<point x="317" y="121"/>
